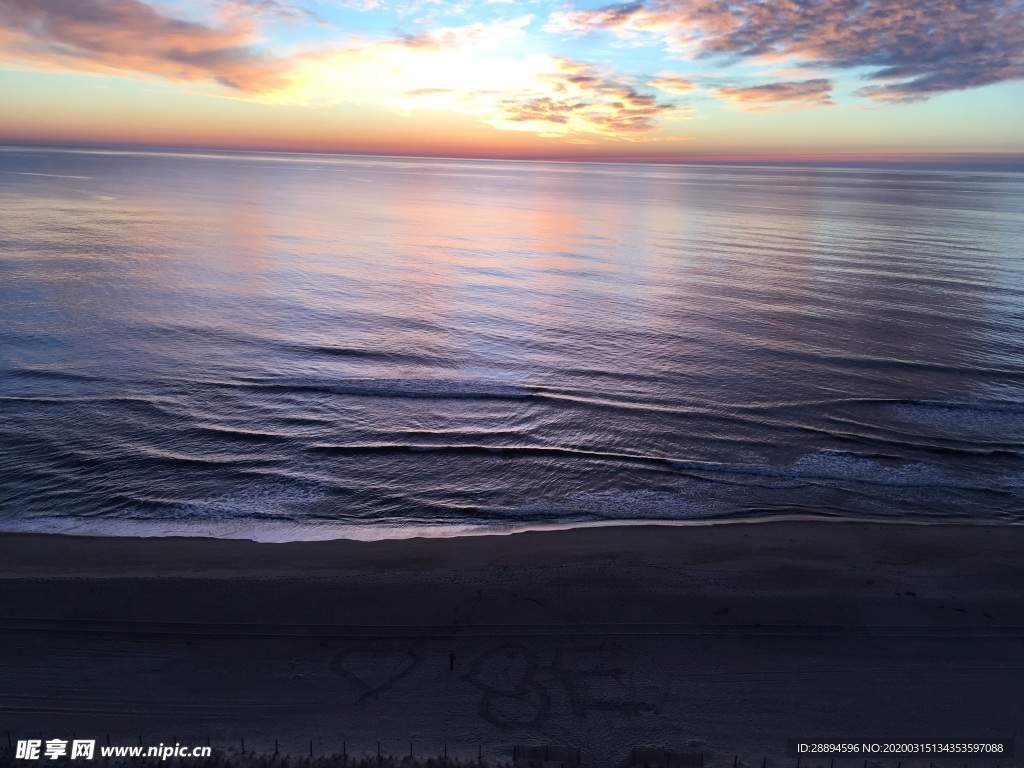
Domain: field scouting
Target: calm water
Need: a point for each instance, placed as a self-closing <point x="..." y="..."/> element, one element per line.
<point x="284" y="347"/>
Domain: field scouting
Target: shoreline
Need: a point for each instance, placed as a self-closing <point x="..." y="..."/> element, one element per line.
<point x="380" y="533"/>
<point x="707" y="541"/>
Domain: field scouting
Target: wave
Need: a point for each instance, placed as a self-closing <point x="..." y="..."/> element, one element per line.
<point x="284" y="504"/>
<point x="54" y="374"/>
<point x="993" y="406"/>
<point x="886" y="363"/>
<point x="427" y="388"/>
<point x="485" y="450"/>
<point x="825" y="466"/>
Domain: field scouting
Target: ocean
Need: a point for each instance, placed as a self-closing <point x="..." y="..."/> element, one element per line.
<point x="288" y="347"/>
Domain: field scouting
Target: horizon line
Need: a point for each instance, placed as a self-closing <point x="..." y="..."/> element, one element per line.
<point x="1010" y="160"/>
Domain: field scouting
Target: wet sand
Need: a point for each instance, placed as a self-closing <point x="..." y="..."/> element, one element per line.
<point x="723" y="639"/>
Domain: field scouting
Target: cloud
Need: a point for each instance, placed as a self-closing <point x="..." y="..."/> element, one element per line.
<point x="626" y="20"/>
<point x="428" y="91"/>
<point x="786" y="95"/>
<point x="546" y="95"/>
<point x="273" y="9"/>
<point x="580" y="99"/>
<point x="481" y="37"/>
<point x="575" y="22"/>
<point x="669" y="82"/>
<point x="475" y="69"/>
<point x="355" y="5"/>
<point x="131" y="37"/>
<point x="913" y="50"/>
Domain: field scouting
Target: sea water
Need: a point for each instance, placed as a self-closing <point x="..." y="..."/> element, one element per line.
<point x="282" y="347"/>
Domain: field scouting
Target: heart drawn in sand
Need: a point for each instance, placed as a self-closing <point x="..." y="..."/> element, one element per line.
<point x="373" y="671"/>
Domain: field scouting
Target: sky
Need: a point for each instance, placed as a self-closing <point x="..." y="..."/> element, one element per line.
<point x="657" y="80"/>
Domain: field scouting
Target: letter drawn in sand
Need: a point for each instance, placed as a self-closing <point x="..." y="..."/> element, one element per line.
<point x="515" y="697"/>
<point x="372" y="670"/>
<point x="597" y="687"/>
<point x="512" y="696"/>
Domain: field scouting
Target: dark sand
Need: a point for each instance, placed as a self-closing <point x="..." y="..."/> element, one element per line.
<point x="720" y="639"/>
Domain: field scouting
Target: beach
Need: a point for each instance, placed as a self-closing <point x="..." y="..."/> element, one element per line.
<point x="720" y="639"/>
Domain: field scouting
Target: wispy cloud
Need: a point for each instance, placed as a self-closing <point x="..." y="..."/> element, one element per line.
<point x="670" y="82"/>
<point x="480" y="36"/>
<point x="277" y="10"/>
<point x="620" y="17"/>
<point x="913" y="49"/>
<point x="784" y="95"/>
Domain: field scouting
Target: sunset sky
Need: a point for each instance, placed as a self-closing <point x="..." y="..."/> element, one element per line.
<point x="662" y="79"/>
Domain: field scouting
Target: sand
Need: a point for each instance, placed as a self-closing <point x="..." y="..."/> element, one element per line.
<point x="724" y="640"/>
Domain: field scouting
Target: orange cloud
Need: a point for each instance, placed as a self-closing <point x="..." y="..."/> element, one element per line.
<point x="786" y="95"/>
<point x="584" y="100"/>
<point x="670" y="82"/>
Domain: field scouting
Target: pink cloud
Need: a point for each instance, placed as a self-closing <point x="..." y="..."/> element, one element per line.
<point x="131" y="37"/>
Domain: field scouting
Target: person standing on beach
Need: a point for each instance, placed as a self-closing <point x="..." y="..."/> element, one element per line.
<point x="451" y="660"/>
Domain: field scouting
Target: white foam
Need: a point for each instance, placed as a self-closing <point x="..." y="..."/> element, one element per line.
<point x="276" y="500"/>
<point x="830" y="465"/>
<point x="962" y="419"/>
